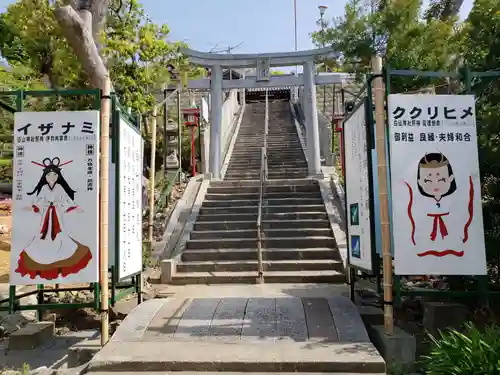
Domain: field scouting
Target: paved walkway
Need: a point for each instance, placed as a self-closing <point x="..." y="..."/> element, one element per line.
<point x="259" y="334"/>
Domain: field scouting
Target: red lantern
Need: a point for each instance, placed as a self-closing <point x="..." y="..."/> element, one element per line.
<point x="192" y="121"/>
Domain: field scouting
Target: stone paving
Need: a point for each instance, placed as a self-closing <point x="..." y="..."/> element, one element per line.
<point x="235" y="319"/>
<point x="235" y="334"/>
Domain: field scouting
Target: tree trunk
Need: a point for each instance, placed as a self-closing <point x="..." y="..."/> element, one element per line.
<point x="81" y="24"/>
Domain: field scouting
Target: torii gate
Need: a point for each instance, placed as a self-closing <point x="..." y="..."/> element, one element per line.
<point x="263" y="79"/>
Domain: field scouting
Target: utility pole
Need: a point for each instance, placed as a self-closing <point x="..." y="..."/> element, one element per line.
<point x="322" y="9"/>
<point x="295" y="28"/>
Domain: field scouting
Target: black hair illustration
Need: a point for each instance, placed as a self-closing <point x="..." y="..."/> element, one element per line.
<point x="436" y="160"/>
<point x="55" y="167"/>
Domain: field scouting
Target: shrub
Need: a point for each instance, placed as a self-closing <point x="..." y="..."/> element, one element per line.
<point x="474" y="352"/>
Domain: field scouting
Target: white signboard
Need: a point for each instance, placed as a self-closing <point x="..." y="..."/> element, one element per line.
<point x="55" y="236"/>
<point x="130" y="201"/>
<point x="436" y="191"/>
<point x="358" y="190"/>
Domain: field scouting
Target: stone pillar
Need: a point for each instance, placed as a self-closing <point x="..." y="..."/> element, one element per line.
<point x="311" y="116"/>
<point x="242" y="93"/>
<point x="215" y="121"/>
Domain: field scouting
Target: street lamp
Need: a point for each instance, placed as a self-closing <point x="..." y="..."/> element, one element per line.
<point x="322" y="9"/>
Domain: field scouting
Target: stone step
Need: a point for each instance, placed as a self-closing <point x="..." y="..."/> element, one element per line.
<point x="265" y="209"/>
<point x="271" y="152"/>
<point x="252" y="233"/>
<point x="275" y="242"/>
<point x="267" y="195"/>
<point x="241" y="163"/>
<point x="296" y="155"/>
<point x="269" y="188"/>
<point x="285" y="183"/>
<point x="271" y="175"/>
<point x="274" y="155"/>
<point x="245" y="356"/>
<point x="267" y="201"/>
<point x="295" y="161"/>
<point x="275" y="167"/>
<point x="259" y="143"/>
<point x="197" y="255"/>
<point x="252" y="265"/>
<point x="249" y="277"/>
<point x="297" y="216"/>
<point x="238" y="170"/>
<point x="256" y="189"/>
<point x="272" y="141"/>
<point x="236" y="373"/>
<point x="278" y="224"/>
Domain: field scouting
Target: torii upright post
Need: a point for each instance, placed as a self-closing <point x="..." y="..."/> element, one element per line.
<point x="215" y="121"/>
<point x="312" y="130"/>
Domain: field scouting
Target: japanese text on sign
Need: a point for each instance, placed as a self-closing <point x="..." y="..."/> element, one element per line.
<point x="431" y="137"/>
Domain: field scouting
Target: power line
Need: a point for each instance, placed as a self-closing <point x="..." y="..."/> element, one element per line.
<point x="227" y="50"/>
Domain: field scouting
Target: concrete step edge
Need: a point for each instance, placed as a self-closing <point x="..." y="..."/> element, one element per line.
<point x="286" y="261"/>
<point x="312" y="206"/>
<point x="264" y="229"/>
<point x="309" y="238"/>
<point x="267" y="249"/>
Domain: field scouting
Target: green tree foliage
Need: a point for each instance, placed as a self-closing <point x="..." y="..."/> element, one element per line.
<point x="438" y="41"/>
<point x="138" y="54"/>
<point x="395" y="30"/>
<point x="481" y="50"/>
<point x="135" y="49"/>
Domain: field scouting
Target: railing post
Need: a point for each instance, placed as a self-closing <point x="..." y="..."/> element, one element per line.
<point x="260" y="267"/>
<point x="263" y="179"/>
<point x="266" y="131"/>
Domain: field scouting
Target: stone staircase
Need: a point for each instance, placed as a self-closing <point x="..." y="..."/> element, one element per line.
<point x="298" y="243"/>
<point x="283" y="162"/>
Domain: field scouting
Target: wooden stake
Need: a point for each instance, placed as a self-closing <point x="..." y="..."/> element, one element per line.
<point x="152" y="178"/>
<point x="378" y="90"/>
<point x="104" y="204"/>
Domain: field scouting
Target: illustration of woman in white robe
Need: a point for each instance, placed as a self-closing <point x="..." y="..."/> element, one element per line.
<point x="432" y="212"/>
<point x="52" y="251"/>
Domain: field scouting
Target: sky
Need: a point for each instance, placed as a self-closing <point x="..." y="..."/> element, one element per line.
<point x="259" y="25"/>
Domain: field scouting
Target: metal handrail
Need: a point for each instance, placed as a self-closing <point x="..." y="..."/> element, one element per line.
<point x="266" y="131"/>
<point x="263" y="179"/>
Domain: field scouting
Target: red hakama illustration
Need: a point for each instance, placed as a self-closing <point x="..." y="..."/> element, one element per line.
<point x="53" y="252"/>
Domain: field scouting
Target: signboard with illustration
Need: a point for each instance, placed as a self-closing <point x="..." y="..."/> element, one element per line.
<point x="55" y="237"/>
<point x="436" y="191"/>
<point x="358" y="187"/>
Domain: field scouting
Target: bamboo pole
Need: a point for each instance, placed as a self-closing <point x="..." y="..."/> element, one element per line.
<point x="179" y="132"/>
<point x="104" y="204"/>
<point x="379" y="93"/>
<point x="152" y="177"/>
<point x="165" y="138"/>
